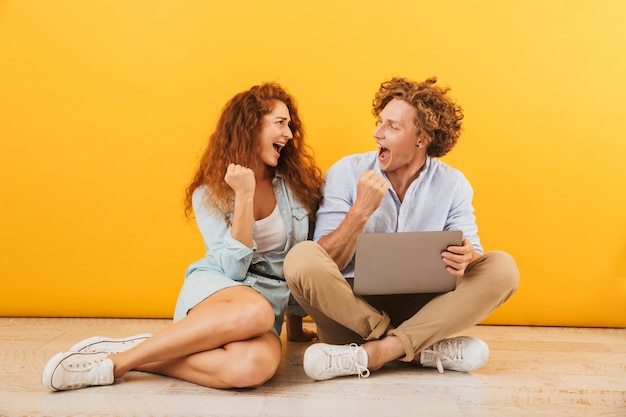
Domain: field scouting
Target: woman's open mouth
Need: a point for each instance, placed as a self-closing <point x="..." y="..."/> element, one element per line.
<point x="278" y="146"/>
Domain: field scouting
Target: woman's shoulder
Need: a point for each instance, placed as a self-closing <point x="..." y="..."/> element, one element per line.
<point x="200" y="200"/>
<point x="198" y="196"/>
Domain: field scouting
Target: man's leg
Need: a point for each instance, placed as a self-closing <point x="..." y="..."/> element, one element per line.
<point x="320" y="288"/>
<point x="428" y="319"/>
<point x="488" y="282"/>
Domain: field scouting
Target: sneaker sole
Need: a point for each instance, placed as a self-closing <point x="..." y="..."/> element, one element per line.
<point x="84" y="345"/>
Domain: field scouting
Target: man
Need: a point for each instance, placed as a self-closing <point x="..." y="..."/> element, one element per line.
<point x="399" y="188"/>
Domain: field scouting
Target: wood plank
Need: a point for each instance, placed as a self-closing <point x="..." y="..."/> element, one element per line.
<point x="533" y="371"/>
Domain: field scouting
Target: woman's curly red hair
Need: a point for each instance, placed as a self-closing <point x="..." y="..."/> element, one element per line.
<point x="235" y="140"/>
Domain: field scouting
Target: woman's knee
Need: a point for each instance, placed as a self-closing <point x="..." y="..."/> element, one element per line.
<point x="254" y="366"/>
<point x="256" y="316"/>
<point x="260" y="371"/>
<point x="245" y="312"/>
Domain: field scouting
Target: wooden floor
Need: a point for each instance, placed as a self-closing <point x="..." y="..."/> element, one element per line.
<point x="533" y="371"/>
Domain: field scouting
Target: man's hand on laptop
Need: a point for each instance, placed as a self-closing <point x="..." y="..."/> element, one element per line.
<point x="458" y="257"/>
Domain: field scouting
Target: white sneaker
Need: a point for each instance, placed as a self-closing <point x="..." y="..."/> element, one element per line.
<point x="108" y="344"/>
<point x="461" y="354"/>
<point x="323" y="361"/>
<point x="73" y="370"/>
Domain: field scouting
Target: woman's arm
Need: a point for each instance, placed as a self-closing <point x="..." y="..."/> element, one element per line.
<point x="228" y="238"/>
<point x="241" y="180"/>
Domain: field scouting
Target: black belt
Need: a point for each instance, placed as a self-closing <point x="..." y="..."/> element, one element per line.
<point x="263" y="274"/>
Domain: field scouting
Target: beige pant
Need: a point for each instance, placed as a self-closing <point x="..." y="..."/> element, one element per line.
<point x="418" y="320"/>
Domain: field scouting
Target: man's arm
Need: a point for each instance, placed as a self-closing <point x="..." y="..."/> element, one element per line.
<point x="341" y="243"/>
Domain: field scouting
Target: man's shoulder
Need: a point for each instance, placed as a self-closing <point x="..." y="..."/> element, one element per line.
<point x="443" y="176"/>
<point x="441" y="169"/>
<point x="357" y="162"/>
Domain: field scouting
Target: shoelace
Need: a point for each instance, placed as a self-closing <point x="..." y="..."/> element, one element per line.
<point x="446" y="350"/>
<point x="81" y="374"/>
<point x="348" y="361"/>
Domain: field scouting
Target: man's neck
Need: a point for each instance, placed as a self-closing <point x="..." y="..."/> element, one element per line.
<point x="401" y="179"/>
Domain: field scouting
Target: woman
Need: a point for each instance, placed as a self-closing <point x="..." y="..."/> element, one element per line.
<point x="253" y="194"/>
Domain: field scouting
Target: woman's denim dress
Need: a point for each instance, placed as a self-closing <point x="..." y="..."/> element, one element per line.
<point x="228" y="262"/>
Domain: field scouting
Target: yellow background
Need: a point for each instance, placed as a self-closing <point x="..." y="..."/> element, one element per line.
<point x="105" y="107"/>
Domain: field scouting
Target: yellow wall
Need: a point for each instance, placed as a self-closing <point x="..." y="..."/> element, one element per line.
<point x="106" y="105"/>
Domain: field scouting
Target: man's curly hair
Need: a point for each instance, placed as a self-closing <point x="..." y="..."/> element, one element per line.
<point x="437" y="116"/>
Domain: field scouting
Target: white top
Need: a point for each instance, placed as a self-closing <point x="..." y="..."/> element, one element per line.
<point x="270" y="235"/>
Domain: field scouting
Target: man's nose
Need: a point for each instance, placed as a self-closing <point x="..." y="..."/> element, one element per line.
<point x="378" y="131"/>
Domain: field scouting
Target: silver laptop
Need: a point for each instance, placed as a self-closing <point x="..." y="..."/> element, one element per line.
<point x="403" y="262"/>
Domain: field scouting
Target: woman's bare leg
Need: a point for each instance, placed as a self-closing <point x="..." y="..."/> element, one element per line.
<point x="244" y="364"/>
<point x="230" y="315"/>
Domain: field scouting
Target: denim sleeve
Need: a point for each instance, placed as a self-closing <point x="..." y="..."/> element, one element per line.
<point x="226" y="253"/>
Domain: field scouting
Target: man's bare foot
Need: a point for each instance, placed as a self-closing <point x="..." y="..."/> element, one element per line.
<point x="297" y="333"/>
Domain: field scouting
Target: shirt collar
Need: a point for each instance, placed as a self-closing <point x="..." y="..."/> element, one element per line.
<point x="424" y="168"/>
